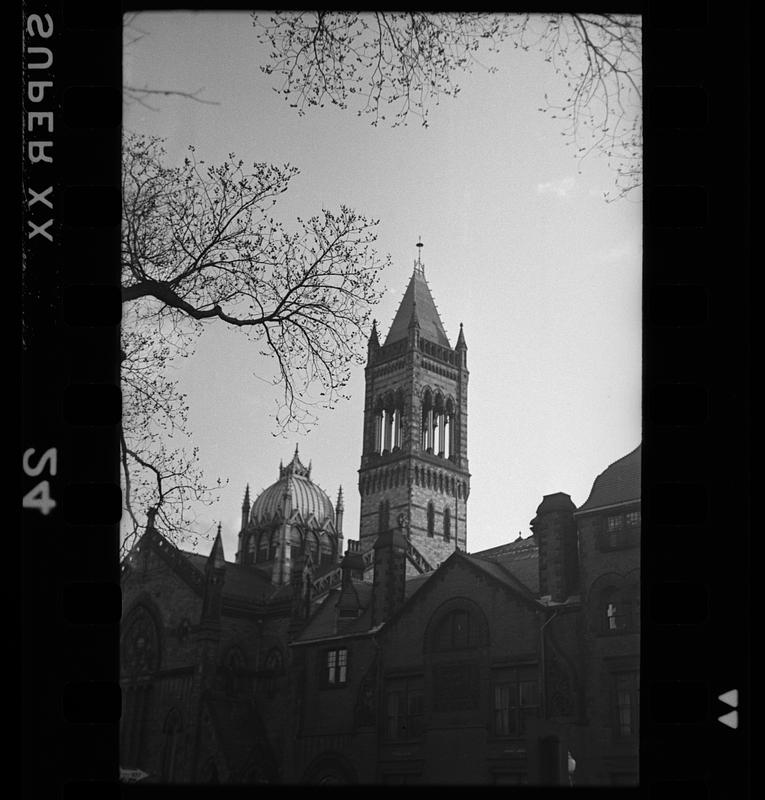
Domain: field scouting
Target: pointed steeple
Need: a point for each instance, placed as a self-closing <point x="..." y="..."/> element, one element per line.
<point x="246" y="501"/>
<point x="212" y="599"/>
<point x="461" y="350"/>
<point x="216" y="559"/>
<point x="461" y="340"/>
<point x="339" y="509"/>
<point x="418" y="302"/>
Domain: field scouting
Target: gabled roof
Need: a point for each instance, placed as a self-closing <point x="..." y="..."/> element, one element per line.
<point x="495" y="572"/>
<point x="427" y="314"/>
<point x="246" y="582"/>
<point x="521" y="558"/>
<point x="501" y="574"/>
<point x="619" y="483"/>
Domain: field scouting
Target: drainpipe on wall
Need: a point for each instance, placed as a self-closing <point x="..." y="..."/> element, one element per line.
<point x="542" y="682"/>
<point x="381" y="711"/>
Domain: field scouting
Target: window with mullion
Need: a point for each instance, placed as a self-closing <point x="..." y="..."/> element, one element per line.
<point x="516" y="700"/>
<point x="404" y="709"/>
<point x="336" y="667"/>
<point x="626" y="704"/>
<point x="453" y="632"/>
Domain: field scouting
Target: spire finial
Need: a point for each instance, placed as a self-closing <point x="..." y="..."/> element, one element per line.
<point x="418" y="265"/>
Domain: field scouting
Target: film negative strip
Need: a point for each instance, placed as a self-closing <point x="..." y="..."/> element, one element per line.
<point x="695" y="693"/>
<point x="71" y="399"/>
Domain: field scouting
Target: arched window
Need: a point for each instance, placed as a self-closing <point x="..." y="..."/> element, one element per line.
<point x="262" y="547"/>
<point x="140" y="643"/>
<point x="453" y="631"/>
<point x="312" y="546"/>
<point x="428" y="417"/>
<point x="273" y="545"/>
<point x="458" y="624"/>
<point x="431" y="519"/>
<point x="379" y="419"/>
<point x="273" y="668"/>
<point x="449" y="453"/>
<point x="274" y="661"/>
<point x="447" y="525"/>
<point x="171" y="731"/>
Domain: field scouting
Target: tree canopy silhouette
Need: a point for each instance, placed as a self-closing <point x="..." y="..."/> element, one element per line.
<point x="394" y="66"/>
<point x="200" y="247"/>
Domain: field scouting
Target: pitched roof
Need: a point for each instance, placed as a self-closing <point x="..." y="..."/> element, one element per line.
<point x="246" y="582"/>
<point x="501" y="574"/>
<point x="427" y="314"/>
<point x="323" y="624"/>
<point x="619" y="483"/>
<point x="521" y="558"/>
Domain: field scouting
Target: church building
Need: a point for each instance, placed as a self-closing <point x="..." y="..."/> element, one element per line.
<point x="398" y="657"/>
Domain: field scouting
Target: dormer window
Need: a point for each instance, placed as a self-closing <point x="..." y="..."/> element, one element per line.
<point x="615" y="523"/>
<point x="620" y="530"/>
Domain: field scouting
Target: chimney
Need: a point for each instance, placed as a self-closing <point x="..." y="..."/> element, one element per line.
<point x="389" y="580"/>
<point x="352" y="565"/>
<point x="554" y="529"/>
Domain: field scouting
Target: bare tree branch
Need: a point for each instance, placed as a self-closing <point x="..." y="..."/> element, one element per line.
<point x="200" y="246"/>
<point x="408" y="60"/>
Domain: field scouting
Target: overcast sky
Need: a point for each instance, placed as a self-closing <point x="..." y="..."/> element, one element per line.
<point x="519" y="246"/>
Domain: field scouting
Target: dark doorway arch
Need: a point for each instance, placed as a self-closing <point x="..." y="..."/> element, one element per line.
<point x="330" y="769"/>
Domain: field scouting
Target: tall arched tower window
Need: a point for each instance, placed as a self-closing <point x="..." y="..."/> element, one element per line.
<point x="431" y="519"/>
<point x="427" y="422"/>
<point x="447" y="525"/>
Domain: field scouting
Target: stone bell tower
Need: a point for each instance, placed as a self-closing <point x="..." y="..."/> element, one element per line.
<point x="414" y="460"/>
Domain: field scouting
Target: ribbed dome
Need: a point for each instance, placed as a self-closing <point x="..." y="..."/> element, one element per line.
<point x="307" y="497"/>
